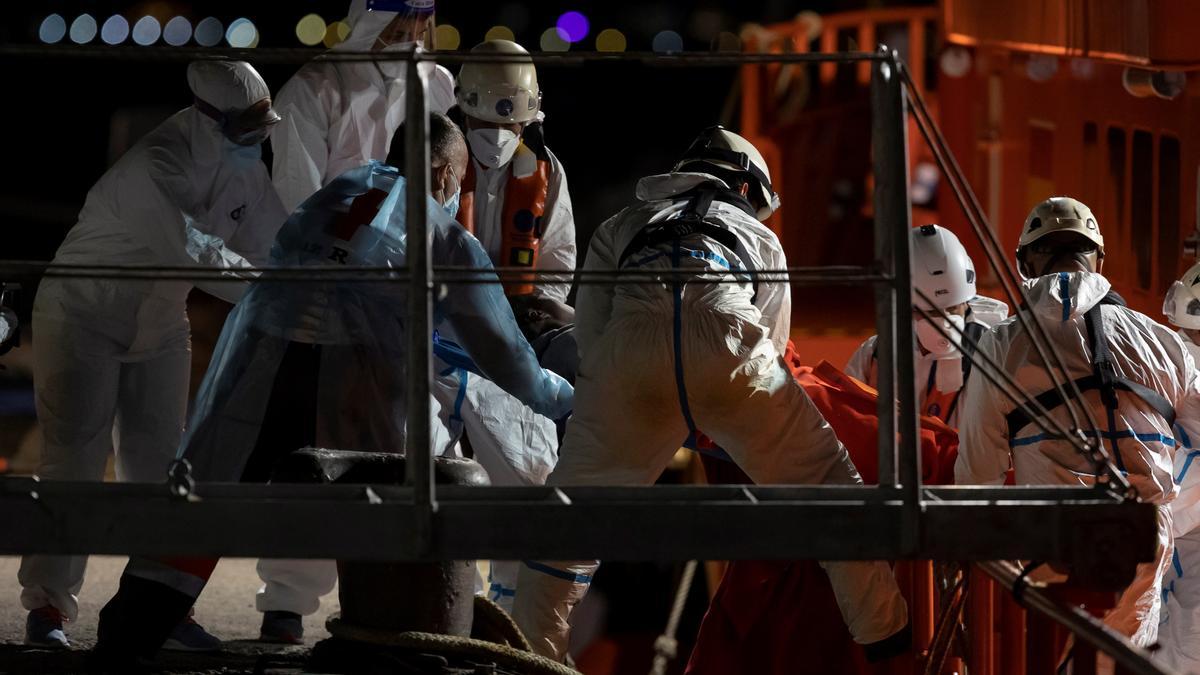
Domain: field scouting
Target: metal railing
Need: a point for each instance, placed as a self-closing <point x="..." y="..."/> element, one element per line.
<point x="900" y="518"/>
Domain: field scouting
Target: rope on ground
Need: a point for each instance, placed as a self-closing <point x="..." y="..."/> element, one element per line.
<point x="493" y="624"/>
<point x="503" y="655"/>
<point x="666" y="647"/>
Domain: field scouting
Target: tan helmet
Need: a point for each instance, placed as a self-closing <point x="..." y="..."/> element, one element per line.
<point x="1060" y="214"/>
<point x="499" y="92"/>
<point x="719" y="147"/>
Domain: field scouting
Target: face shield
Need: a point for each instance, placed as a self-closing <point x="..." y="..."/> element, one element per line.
<point x="409" y="22"/>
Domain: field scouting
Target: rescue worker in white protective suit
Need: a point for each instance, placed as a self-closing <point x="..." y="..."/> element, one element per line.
<point x="515" y="201"/>
<point x="112" y="357"/>
<point x="337" y="116"/>
<point x="1179" y="630"/>
<point x="324" y="363"/>
<point x="943" y="271"/>
<point x="1153" y="379"/>
<point x="660" y="362"/>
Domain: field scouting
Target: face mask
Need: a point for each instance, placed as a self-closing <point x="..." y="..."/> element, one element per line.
<point x="493" y="148"/>
<point x="252" y="137"/>
<point x="242" y="156"/>
<point x="938" y="346"/>
<point x="451" y="204"/>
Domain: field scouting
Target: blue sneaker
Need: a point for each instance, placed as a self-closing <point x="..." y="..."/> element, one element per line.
<point x="280" y="627"/>
<point x="189" y="636"/>
<point x="44" y="628"/>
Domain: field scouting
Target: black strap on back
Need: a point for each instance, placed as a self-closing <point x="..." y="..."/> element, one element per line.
<point x="1104" y="379"/>
<point x="971" y="334"/>
<point x="693" y="220"/>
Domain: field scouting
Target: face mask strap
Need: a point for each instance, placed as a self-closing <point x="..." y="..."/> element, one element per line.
<point x="211" y="111"/>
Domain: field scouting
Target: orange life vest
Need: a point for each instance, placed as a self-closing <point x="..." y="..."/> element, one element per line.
<point x="524" y="205"/>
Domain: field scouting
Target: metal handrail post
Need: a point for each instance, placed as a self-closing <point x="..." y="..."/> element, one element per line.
<point x="419" y="473"/>
<point x="899" y="460"/>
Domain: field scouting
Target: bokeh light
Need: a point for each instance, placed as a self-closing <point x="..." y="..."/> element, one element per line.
<point x="499" y="33"/>
<point x="83" y="29"/>
<point x="242" y="34"/>
<point x="209" y="32"/>
<point x="552" y="41"/>
<point x="310" y="30"/>
<point x="53" y="29"/>
<point x="447" y="37"/>
<point x="336" y="33"/>
<point x="610" y="40"/>
<point x="177" y="32"/>
<point x="666" y="42"/>
<point x="572" y="26"/>
<point x="146" y="31"/>
<point x="115" y="30"/>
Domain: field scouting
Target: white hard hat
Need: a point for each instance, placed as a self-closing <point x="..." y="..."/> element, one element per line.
<point x="1182" y="304"/>
<point x="1060" y="214"/>
<point x="499" y="92"/>
<point x="941" y="268"/>
<point x="724" y="149"/>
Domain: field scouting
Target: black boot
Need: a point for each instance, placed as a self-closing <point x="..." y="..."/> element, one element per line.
<point x="136" y="623"/>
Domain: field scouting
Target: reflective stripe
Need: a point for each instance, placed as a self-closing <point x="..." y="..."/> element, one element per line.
<point x="691" y="253"/>
<point x="1184" y="440"/>
<point x="1112" y="439"/>
<point x="1187" y="464"/>
<point x="557" y="573"/>
<point x="1149" y="438"/>
<point x="1064" y="292"/>
<point x="499" y="591"/>
<point x="456" y="416"/>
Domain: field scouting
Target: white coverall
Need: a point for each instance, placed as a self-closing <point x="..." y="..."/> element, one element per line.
<point x="337" y="116"/>
<point x="630" y="409"/>
<point x="516" y="445"/>
<point x="862" y="366"/>
<point x="1143" y="351"/>
<point x="116" y="353"/>
<point x="1179" y="631"/>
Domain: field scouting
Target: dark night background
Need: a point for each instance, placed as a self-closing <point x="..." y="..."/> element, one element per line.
<point x="609" y="123"/>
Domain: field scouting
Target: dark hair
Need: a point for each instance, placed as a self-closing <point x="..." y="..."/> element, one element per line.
<point x="444" y="135"/>
<point x="734" y="179"/>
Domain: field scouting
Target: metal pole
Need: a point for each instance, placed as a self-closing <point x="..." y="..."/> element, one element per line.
<point x="889" y="130"/>
<point x="1132" y="659"/>
<point x="419" y="473"/>
<point x="885" y="310"/>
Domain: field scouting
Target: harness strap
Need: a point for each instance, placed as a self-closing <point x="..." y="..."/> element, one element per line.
<point x="1104" y="379"/>
<point x="693" y="220"/>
